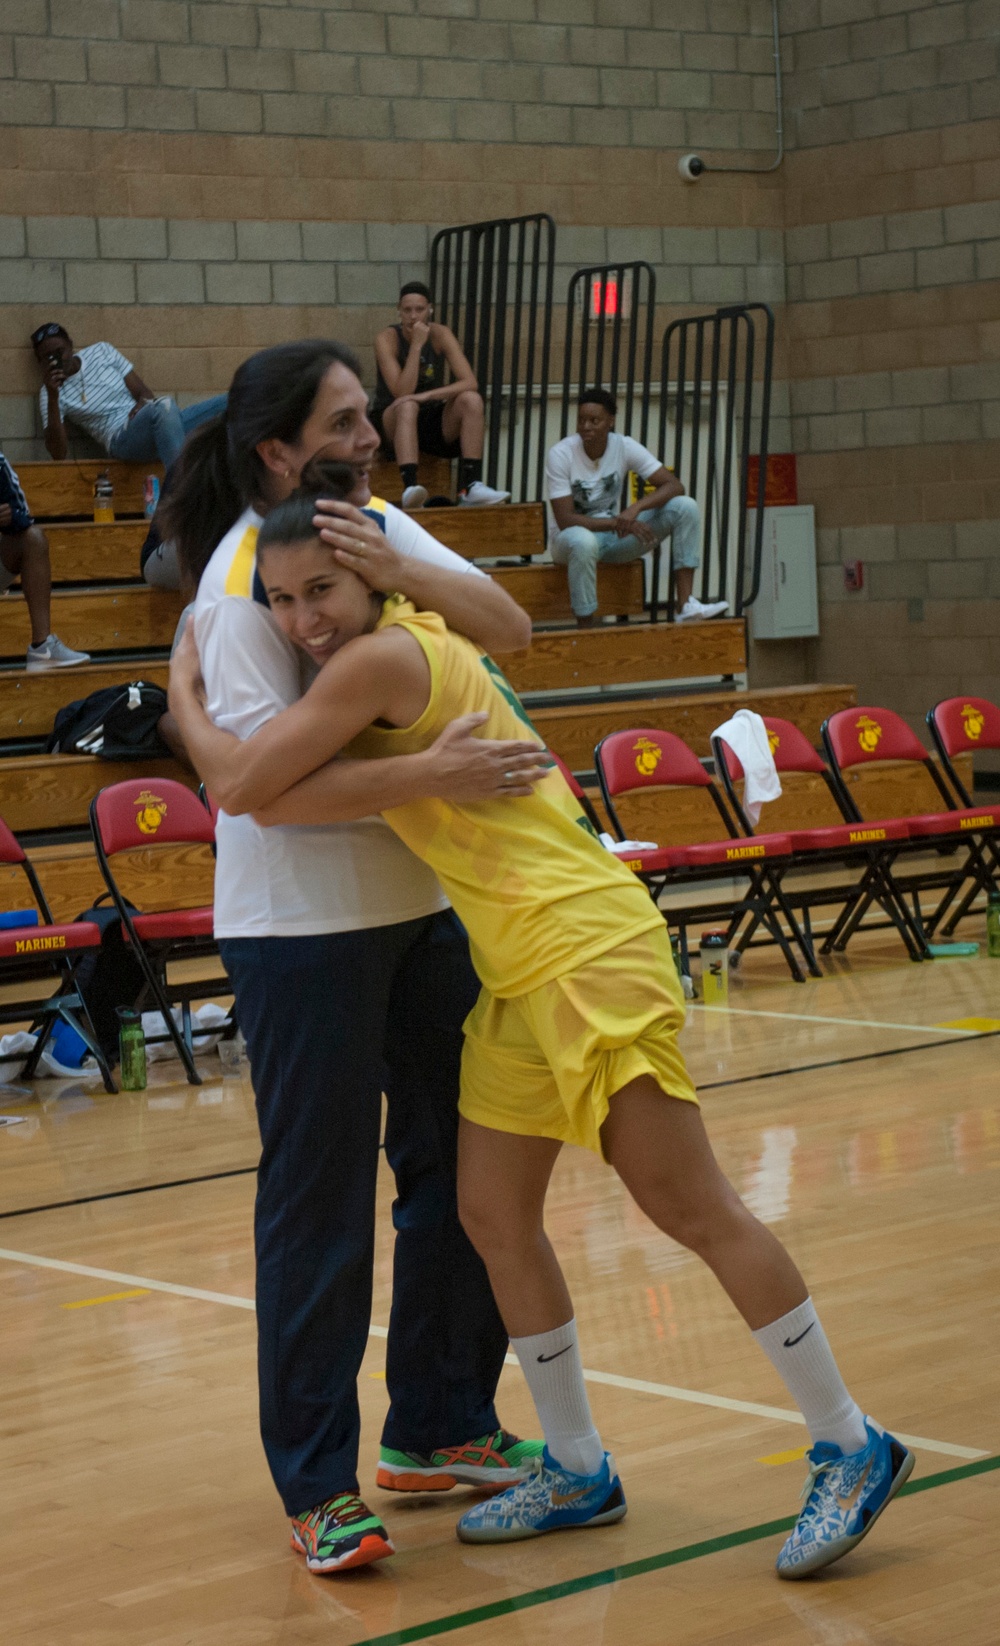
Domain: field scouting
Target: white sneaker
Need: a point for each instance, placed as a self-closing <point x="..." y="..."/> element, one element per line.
<point x="415" y="497"/>
<point x="481" y="496"/>
<point x="694" y="612"/>
<point x="52" y="654"/>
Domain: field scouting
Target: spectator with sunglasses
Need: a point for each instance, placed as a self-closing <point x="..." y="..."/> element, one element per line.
<point x="97" y="388"/>
<point x="24" y="554"/>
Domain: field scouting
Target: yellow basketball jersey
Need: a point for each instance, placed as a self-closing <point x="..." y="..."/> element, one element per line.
<point x="537" y="892"/>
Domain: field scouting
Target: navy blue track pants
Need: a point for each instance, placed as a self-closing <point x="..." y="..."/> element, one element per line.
<point x="330" y="1022"/>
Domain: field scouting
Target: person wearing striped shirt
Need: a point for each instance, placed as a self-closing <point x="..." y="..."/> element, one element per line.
<point x="101" y="391"/>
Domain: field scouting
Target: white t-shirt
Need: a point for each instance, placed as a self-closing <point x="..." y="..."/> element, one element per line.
<point x="96" y="396"/>
<point x="595" y="485"/>
<point x="304" y="880"/>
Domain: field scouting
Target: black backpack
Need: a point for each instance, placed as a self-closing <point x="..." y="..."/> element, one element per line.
<point x="117" y="723"/>
<point x="109" y="976"/>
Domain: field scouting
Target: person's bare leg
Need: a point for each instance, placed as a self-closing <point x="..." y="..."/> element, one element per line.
<point x="464" y="420"/>
<point x="27" y="554"/>
<point x="660" y="1150"/>
<point x="400" y="424"/>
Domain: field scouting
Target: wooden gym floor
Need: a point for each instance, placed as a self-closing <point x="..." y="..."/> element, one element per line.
<point x="859" y="1116"/>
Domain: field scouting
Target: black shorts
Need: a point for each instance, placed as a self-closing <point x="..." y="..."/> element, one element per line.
<point x="430" y="435"/>
<point x="11" y="494"/>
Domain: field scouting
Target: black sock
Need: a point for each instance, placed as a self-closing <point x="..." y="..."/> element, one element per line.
<point x="470" y="469"/>
<point x="409" y="473"/>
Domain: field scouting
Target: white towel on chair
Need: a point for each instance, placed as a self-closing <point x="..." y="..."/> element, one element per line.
<point x="746" y="735"/>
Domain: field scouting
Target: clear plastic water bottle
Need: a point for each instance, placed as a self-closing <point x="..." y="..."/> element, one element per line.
<point x="132" y="1050"/>
<point x="104" y="500"/>
<point x="993" y="925"/>
<point x="714" y="968"/>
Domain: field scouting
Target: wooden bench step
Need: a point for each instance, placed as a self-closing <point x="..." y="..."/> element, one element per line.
<point x="544" y="593"/>
<point x="97" y="620"/>
<point x="54" y="791"/>
<point x="29" y="702"/>
<point x="627" y="654"/>
<point x="82" y="552"/>
<point x="486" y="534"/>
<point x="574" y="731"/>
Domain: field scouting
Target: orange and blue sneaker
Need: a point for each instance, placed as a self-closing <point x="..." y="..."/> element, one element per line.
<point x="844" y="1494"/>
<point x="551" y="1499"/>
<point x="340" y="1534"/>
<point x="492" y="1462"/>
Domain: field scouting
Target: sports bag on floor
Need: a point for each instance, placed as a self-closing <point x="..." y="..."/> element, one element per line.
<point x="117" y="723"/>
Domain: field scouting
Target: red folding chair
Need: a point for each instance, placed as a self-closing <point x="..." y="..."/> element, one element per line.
<point x="964" y="725"/>
<point x="873" y="738"/>
<point x="646" y="759"/>
<point x="134" y="816"/>
<point x="869" y="849"/>
<point x="579" y="794"/>
<point x="47" y="950"/>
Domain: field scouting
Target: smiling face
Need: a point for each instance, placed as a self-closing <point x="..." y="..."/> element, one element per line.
<point x="337" y="427"/>
<point x="318" y="604"/>
<point x="593" y="424"/>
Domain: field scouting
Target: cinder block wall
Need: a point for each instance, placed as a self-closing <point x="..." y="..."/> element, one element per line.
<point x="194" y="181"/>
<point x="892" y="234"/>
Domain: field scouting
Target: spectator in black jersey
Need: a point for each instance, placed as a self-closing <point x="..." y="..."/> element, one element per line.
<point x="416" y="410"/>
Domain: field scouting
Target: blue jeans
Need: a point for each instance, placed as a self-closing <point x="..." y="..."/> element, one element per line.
<point x="160" y="428"/>
<point x="581" y="551"/>
<point x="330" y="1023"/>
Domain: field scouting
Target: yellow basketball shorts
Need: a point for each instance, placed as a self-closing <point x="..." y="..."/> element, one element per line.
<point x="547" y="1063"/>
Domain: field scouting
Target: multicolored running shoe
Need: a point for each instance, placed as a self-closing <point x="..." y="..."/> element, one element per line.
<point x="492" y="1463"/>
<point x="340" y="1534"/>
<point x="843" y="1496"/>
<point x="550" y="1500"/>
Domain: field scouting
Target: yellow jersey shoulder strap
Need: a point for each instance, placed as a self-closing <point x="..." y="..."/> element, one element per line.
<point x="239" y="578"/>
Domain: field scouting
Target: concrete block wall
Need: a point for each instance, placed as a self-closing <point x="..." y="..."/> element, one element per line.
<point x="892" y="329"/>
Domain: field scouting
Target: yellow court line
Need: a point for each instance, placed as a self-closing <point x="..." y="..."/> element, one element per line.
<point x="613" y="1380"/>
<point x="848" y="1022"/>
<point x="109" y="1297"/>
<point x="975" y="1025"/>
<point x="773" y="1459"/>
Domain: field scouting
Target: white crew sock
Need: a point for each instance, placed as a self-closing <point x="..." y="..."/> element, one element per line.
<point x="553" y="1372"/>
<point x="797" y="1348"/>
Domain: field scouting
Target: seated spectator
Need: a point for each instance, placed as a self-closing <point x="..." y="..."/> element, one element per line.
<point x="158" y="560"/>
<point x="24" y="554"/>
<point x="585" y="481"/>
<point x="100" y="390"/>
<point x="416" y="411"/>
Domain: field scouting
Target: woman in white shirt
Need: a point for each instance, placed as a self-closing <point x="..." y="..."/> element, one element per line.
<point x="352" y="977"/>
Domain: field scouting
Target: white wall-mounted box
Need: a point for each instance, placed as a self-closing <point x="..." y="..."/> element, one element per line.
<point x="787" y="606"/>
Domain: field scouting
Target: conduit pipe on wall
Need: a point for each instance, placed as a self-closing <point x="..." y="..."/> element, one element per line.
<point x="692" y="166"/>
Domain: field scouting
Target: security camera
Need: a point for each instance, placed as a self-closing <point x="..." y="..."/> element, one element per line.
<point x="690" y="167"/>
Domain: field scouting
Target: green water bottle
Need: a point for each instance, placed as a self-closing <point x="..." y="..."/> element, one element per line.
<point x="993" y="925"/>
<point x="132" y="1050"/>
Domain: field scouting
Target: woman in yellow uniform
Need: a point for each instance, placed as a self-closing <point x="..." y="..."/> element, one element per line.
<point x="573" y="1038"/>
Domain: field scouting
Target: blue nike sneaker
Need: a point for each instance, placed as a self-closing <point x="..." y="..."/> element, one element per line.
<point x="551" y="1499"/>
<point x="843" y="1496"/>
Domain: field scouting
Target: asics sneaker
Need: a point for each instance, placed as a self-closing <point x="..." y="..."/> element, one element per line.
<point x="481" y="496"/>
<point x="53" y="654"/>
<point x="843" y="1496"/>
<point x="414" y="497"/>
<point x="492" y="1463"/>
<point x="550" y="1500"/>
<point x="340" y="1534"/>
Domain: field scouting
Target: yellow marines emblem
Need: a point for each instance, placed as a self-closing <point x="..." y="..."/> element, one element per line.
<point x="869" y="733"/>
<point x="151" y="812"/>
<point x="773" y="740"/>
<point x="648" y="757"/>
<point x="973" y="720"/>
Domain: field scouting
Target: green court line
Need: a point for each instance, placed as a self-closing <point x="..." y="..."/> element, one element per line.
<point x="640" y="1568"/>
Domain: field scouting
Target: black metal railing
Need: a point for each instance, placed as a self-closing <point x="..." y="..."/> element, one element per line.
<point x="715" y="406"/>
<point x="493" y="285"/>
<point x="610" y="317"/>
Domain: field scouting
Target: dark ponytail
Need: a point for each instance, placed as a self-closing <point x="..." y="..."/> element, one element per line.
<point x="219" y="473"/>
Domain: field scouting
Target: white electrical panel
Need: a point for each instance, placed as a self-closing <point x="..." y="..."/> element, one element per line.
<point x="787" y="605"/>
